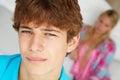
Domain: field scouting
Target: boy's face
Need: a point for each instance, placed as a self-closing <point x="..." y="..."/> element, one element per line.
<point x="43" y="49"/>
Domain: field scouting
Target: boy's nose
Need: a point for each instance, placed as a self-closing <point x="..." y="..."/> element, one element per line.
<point x="36" y="44"/>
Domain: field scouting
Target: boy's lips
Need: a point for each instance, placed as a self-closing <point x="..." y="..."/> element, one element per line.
<point x="36" y="59"/>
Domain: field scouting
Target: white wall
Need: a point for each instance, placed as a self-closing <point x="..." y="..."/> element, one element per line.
<point x="116" y="37"/>
<point x="9" y="4"/>
<point x="8" y="37"/>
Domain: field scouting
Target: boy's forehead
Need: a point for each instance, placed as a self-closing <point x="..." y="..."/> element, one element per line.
<point x="36" y="25"/>
<point x="43" y="25"/>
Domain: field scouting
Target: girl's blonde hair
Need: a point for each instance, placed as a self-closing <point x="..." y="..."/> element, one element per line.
<point x="113" y="15"/>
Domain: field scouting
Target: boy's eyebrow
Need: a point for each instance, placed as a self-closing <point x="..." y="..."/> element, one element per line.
<point x="42" y="29"/>
<point x="25" y="27"/>
<point x="52" y="30"/>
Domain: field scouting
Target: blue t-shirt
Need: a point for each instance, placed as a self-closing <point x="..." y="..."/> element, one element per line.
<point x="10" y="64"/>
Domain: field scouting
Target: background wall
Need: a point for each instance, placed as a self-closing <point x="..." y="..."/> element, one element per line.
<point x="115" y="4"/>
<point x="90" y="10"/>
<point x="8" y="37"/>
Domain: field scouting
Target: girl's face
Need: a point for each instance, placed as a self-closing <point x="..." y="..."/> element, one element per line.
<point x="103" y="24"/>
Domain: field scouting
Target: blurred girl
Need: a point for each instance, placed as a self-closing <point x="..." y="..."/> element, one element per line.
<point x="95" y="49"/>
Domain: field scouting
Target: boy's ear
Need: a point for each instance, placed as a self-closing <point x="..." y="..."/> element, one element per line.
<point x="72" y="44"/>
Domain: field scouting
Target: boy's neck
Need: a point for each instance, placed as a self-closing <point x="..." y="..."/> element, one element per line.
<point x="24" y="75"/>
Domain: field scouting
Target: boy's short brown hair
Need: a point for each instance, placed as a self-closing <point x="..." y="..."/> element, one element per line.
<point x="63" y="14"/>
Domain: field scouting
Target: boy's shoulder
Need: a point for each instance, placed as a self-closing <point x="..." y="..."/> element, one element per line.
<point x="64" y="76"/>
<point x="9" y="63"/>
<point x="7" y="58"/>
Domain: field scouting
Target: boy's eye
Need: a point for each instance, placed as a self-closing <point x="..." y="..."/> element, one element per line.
<point x="50" y="34"/>
<point x="25" y="32"/>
